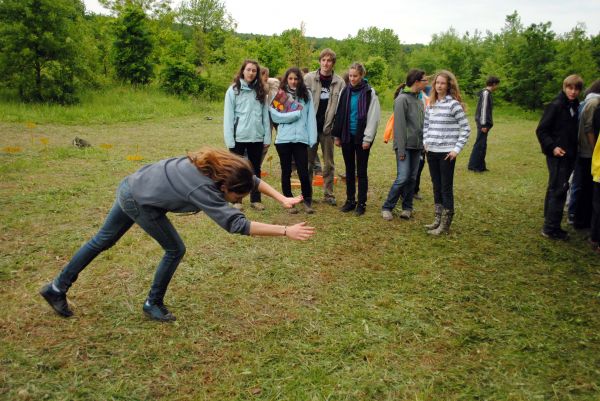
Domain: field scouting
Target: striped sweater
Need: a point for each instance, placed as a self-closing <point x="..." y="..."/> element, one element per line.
<point x="446" y="127"/>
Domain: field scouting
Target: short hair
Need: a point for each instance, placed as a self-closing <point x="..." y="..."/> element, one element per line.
<point x="492" y="80"/>
<point x="328" y="52"/>
<point x="573" y="80"/>
<point x="593" y="88"/>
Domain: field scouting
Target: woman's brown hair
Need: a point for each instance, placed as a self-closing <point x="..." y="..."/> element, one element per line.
<point x="225" y="169"/>
<point x="453" y="89"/>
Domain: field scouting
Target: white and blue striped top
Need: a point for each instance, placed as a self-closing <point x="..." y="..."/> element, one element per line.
<point x="446" y="127"/>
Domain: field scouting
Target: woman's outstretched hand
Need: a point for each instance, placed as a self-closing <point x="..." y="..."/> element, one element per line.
<point x="290" y="202"/>
<point x="299" y="231"/>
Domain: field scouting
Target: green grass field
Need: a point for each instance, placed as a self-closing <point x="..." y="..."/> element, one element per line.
<point x="366" y="310"/>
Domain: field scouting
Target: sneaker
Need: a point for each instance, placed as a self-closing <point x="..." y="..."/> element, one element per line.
<point x="360" y="209"/>
<point x="556" y="234"/>
<point x="330" y="200"/>
<point x="293" y="210"/>
<point x="158" y="311"/>
<point x="387" y="215"/>
<point x="348" y="206"/>
<point x="570" y="219"/>
<point x="257" y="205"/>
<point x="406" y="214"/>
<point x="57" y="300"/>
<point x="417" y="196"/>
<point x="237" y="206"/>
<point x="308" y="208"/>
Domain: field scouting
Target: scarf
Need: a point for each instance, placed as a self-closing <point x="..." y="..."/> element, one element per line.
<point x="362" y="89"/>
<point x="292" y="92"/>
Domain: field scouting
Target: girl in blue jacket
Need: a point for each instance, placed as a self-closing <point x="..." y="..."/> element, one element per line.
<point x="246" y="124"/>
<point x="297" y="131"/>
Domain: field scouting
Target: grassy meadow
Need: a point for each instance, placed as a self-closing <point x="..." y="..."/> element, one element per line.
<point x="366" y="310"/>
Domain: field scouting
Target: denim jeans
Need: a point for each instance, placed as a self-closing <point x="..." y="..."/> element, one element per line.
<point x="299" y="153"/>
<point x="580" y="201"/>
<point x="477" y="159"/>
<point x="126" y="211"/>
<point x="404" y="184"/>
<point x="356" y="161"/>
<point x="559" y="170"/>
<point x="254" y="152"/>
<point x="442" y="179"/>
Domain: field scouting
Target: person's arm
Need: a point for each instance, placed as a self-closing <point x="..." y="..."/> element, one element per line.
<point x="400" y="134"/>
<point x="228" y="119"/>
<point x="286" y="202"/>
<point x="266" y="122"/>
<point x="299" y="231"/>
<point x="311" y="122"/>
<point x="544" y="132"/>
<point x="284" y="118"/>
<point x="465" y="129"/>
<point x="373" y="116"/>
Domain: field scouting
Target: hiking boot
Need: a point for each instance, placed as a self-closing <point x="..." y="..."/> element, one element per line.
<point x="308" y="208"/>
<point x="437" y="219"/>
<point x="158" y="311"/>
<point x="348" y="206"/>
<point x="361" y="208"/>
<point x="293" y="210"/>
<point x="406" y="214"/>
<point x="387" y="215"/>
<point x="558" y="234"/>
<point x="258" y="206"/>
<point x="330" y="200"/>
<point x="417" y="196"/>
<point x="57" y="300"/>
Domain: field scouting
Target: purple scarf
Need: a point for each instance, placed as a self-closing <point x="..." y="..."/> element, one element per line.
<point x="362" y="88"/>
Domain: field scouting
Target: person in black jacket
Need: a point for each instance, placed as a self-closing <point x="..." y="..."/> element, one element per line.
<point x="484" y="122"/>
<point x="557" y="134"/>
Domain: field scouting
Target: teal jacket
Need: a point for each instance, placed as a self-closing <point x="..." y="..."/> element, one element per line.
<point x="296" y="126"/>
<point x="245" y="118"/>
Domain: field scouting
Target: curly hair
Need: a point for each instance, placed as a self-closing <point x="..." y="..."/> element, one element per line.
<point x="256" y="84"/>
<point x="224" y="168"/>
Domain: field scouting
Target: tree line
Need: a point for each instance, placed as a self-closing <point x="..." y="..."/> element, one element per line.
<point x="51" y="50"/>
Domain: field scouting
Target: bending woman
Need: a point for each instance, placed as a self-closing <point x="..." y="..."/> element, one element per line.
<point x="445" y="133"/>
<point x="246" y="124"/>
<point x="203" y="181"/>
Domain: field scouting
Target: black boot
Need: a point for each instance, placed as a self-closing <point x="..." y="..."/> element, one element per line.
<point x="348" y="206"/>
<point x="57" y="300"/>
<point x="360" y="209"/>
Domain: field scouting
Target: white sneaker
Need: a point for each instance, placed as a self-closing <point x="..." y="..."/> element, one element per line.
<point x="406" y="214"/>
<point x="387" y="215"/>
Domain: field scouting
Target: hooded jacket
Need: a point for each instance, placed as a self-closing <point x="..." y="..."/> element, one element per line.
<point x="245" y="118"/>
<point x="298" y="126"/>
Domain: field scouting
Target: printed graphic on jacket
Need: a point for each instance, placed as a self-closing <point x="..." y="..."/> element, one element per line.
<point x="283" y="102"/>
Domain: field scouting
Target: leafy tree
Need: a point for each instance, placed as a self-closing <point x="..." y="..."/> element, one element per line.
<point x="133" y="46"/>
<point x="179" y="75"/>
<point x="40" y="46"/>
<point x="574" y="56"/>
<point x="299" y="48"/>
<point x="155" y="7"/>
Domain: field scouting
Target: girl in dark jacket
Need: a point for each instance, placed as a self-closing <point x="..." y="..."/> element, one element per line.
<point x="354" y="130"/>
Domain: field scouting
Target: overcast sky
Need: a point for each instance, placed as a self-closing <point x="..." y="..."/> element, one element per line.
<point x="416" y="24"/>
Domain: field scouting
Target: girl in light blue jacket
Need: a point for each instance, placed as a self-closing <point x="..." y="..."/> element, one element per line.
<point x="246" y="124"/>
<point x="297" y="131"/>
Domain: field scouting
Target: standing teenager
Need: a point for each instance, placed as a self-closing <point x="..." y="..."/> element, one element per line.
<point x="484" y="122"/>
<point x="354" y="130"/>
<point x="445" y="133"/>
<point x="296" y="132"/>
<point x="203" y="181"/>
<point x="246" y="124"/>
<point x="325" y="87"/>
<point x="557" y="135"/>
<point x="408" y="143"/>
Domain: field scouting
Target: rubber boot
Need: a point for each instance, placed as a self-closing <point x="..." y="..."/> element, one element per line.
<point x="446" y="221"/>
<point x="437" y="217"/>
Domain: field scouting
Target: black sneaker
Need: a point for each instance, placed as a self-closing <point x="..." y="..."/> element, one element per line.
<point x="158" y="312"/>
<point x="348" y="206"/>
<point x="360" y="209"/>
<point x="57" y="300"/>
<point x="558" y="234"/>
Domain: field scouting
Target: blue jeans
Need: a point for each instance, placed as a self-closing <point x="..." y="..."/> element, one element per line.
<point x="442" y="178"/>
<point x="121" y="217"/>
<point x="404" y="184"/>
